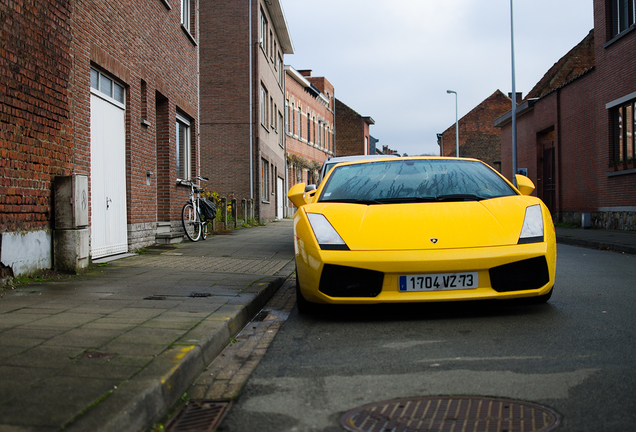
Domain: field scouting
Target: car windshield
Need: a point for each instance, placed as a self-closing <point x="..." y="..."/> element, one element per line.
<point x="400" y="181"/>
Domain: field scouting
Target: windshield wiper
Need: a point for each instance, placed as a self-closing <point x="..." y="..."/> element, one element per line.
<point x="407" y="199"/>
<point x="353" y="201"/>
<point x="459" y="197"/>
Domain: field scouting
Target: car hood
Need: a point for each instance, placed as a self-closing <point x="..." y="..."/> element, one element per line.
<point x="417" y="226"/>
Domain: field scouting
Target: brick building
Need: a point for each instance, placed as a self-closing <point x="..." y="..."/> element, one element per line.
<point x="309" y="124"/>
<point x="106" y="91"/>
<point x="478" y="137"/>
<point x="575" y="129"/>
<point x="243" y="101"/>
<point x="352" y="137"/>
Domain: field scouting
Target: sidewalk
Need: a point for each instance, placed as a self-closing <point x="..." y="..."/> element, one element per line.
<point x="114" y="349"/>
<point x="616" y="241"/>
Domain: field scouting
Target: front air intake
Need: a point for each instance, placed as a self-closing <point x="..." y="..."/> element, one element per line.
<point x="341" y="281"/>
<point x="521" y="275"/>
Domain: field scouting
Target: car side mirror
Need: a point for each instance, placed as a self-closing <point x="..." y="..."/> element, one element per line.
<point x="524" y="184"/>
<point x="310" y="188"/>
<point x="297" y="195"/>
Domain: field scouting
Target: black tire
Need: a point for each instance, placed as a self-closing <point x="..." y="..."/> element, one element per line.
<point x="304" y="307"/>
<point x="191" y="222"/>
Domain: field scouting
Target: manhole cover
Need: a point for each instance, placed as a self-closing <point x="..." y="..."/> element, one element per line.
<point x="450" y="413"/>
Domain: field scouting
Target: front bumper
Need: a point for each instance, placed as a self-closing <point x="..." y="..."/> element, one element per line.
<point x="513" y="271"/>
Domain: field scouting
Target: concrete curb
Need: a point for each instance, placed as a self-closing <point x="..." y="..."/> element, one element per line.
<point x="592" y="244"/>
<point x="149" y="395"/>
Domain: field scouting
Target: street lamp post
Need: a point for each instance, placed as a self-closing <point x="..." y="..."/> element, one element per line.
<point x="514" y="99"/>
<point x="456" y="123"/>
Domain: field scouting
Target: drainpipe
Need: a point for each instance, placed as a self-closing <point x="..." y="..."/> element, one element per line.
<point x="251" y="117"/>
<point x="284" y="132"/>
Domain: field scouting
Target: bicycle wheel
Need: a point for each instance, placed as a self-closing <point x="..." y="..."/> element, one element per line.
<point x="191" y="222"/>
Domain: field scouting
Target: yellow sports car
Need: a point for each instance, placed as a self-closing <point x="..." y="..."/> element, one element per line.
<point x="419" y="229"/>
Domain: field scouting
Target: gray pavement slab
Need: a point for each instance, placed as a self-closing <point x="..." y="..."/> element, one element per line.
<point x="115" y="348"/>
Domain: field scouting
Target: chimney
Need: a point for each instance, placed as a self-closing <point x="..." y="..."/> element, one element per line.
<point x="305" y="72"/>
<point x="519" y="97"/>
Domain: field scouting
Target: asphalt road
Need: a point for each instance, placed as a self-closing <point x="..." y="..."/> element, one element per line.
<point x="575" y="354"/>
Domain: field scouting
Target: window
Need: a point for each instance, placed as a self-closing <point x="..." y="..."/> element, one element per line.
<point x="287" y="116"/>
<point x="624" y="125"/>
<point x="185" y="14"/>
<point x="299" y="130"/>
<point x="184" y="163"/>
<point x="264" y="99"/>
<point x="308" y="128"/>
<point x="280" y="128"/>
<point x="264" y="180"/>
<point x="264" y="30"/>
<point x="107" y="86"/>
<point x="272" y="107"/>
<point x="281" y="69"/>
<point x="623" y="15"/>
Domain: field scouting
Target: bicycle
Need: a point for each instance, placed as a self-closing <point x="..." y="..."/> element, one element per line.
<point x="195" y="221"/>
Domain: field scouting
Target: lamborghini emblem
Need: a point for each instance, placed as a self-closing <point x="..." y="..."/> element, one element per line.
<point x="434" y="240"/>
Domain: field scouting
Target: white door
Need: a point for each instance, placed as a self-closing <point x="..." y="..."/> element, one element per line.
<point x="108" y="177"/>
<point x="280" y="197"/>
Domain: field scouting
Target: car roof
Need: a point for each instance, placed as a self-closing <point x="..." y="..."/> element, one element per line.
<point x="339" y="159"/>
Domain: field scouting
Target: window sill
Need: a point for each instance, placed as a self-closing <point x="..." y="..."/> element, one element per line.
<point x="620" y="35"/>
<point x="166" y="4"/>
<point x="621" y="172"/>
<point x="187" y="32"/>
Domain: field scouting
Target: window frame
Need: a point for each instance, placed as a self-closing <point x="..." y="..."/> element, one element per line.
<point x="184" y="155"/>
<point x="264" y="29"/>
<point x="264" y="107"/>
<point x="623" y="16"/>
<point x="624" y="140"/>
<point x="264" y="180"/>
<point x="186" y="14"/>
<point x="112" y="86"/>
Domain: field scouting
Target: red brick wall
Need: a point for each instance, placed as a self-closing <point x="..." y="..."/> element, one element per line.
<point x="45" y="63"/>
<point x="140" y="42"/>
<point x="582" y="132"/>
<point x="225" y="113"/>
<point x="311" y="153"/>
<point x="349" y="131"/>
<point x="35" y="110"/>
<point x="478" y="137"/>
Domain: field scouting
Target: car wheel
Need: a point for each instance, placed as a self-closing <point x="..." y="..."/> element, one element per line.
<point x="304" y="306"/>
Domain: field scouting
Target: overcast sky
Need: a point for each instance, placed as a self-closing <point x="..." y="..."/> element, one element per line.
<point x="393" y="60"/>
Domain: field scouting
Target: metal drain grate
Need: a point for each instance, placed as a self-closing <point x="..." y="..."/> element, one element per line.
<point x="199" y="416"/>
<point x="445" y="413"/>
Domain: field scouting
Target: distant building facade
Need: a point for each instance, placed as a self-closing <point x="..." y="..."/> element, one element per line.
<point x="243" y="101"/>
<point x="478" y="137"/>
<point x="575" y="129"/>
<point x="105" y="91"/>
<point x="352" y="131"/>
<point x="309" y="124"/>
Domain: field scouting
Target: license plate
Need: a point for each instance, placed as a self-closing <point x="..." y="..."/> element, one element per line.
<point x="439" y="282"/>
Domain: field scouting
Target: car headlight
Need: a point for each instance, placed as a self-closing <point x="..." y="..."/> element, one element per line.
<point x="532" y="231"/>
<point x="328" y="238"/>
